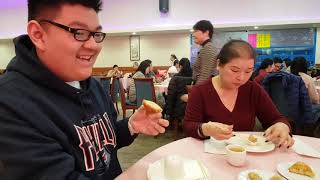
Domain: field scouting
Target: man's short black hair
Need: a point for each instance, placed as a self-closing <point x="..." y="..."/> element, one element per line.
<point x="35" y="7"/>
<point x="204" y="26"/>
<point x="277" y="60"/>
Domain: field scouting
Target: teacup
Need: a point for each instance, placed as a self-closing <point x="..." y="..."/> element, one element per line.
<point x="173" y="167"/>
<point x="236" y="155"/>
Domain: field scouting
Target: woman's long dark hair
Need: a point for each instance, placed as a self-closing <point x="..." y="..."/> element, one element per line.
<point x="299" y="64"/>
<point x="264" y="64"/>
<point x="186" y="70"/>
<point x="143" y="66"/>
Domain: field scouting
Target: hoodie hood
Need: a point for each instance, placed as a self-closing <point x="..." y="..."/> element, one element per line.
<point x="31" y="67"/>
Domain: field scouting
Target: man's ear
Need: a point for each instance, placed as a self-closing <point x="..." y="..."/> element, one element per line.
<point x="207" y="33"/>
<point x="218" y="64"/>
<point x="36" y="34"/>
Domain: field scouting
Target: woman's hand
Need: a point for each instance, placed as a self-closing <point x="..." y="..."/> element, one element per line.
<point x="279" y="134"/>
<point x="217" y="130"/>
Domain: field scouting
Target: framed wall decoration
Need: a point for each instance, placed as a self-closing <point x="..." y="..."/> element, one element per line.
<point x="134" y="48"/>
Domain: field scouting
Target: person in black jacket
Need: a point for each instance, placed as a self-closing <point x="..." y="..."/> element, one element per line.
<point x="175" y="107"/>
<point x="56" y="122"/>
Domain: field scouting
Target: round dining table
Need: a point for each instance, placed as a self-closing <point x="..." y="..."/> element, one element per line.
<point x="217" y="165"/>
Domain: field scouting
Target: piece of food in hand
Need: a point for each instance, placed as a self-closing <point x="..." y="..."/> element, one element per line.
<point x="151" y="107"/>
<point x="276" y="177"/>
<point x="254" y="176"/>
<point x="302" y="169"/>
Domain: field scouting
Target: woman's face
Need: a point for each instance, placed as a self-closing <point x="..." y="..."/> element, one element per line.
<point x="236" y="72"/>
<point x="180" y="67"/>
<point x="269" y="68"/>
<point x="147" y="70"/>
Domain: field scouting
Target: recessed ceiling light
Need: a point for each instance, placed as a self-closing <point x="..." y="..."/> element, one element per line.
<point x="134" y="33"/>
<point x="256" y="27"/>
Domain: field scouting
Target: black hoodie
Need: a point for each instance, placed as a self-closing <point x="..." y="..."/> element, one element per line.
<point x="51" y="130"/>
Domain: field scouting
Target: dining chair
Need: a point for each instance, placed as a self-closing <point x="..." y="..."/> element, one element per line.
<point x="105" y="82"/>
<point x="175" y="107"/>
<point x="125" y="103"/>
<point x="144" y="90"/>
<point x="115" y="91"/>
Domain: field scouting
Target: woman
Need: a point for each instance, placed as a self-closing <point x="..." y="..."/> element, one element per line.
<point x="184" y="68"/>
<point x="299" y="67"/>
<point x="173" y="57"/>
<point x="264" y="69"/>
<point x="175" y="105"/>
<point x="230" y="102"/>
<point x="185" y="71"/>
<point x="142" y="71"/>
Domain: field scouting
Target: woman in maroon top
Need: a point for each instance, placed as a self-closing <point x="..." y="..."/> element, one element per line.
<point x="264" y="69"/>
<point x="230" y="102"/>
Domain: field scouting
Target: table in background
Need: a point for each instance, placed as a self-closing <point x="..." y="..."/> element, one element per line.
<point x="217" y="164"/>
<point x="161" y="88"/>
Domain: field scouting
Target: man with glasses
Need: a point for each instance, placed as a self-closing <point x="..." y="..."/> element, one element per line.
<point x="56" y="122"/>
<point x="277" y="64"/>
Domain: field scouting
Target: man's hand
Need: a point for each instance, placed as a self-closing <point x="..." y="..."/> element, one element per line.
<point x="146" y="123"/>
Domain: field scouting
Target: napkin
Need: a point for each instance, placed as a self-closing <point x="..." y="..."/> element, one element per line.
<point x="211" y="147"/>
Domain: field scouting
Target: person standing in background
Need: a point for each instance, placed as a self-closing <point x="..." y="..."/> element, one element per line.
<point x="206" y="63"/>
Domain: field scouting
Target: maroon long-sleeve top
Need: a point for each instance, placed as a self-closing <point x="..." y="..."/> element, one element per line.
<point x="261" y="75"/>
<point x="204" y="105"/>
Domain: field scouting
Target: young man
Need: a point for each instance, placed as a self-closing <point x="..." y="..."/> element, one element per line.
<point x="206" y="63"/>
<point x="114" y="72"/>
<point x="55" y="121"/>
<point x="277" y="64"/>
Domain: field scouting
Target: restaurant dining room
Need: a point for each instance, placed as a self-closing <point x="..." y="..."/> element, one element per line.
<point x="160" y="89"/>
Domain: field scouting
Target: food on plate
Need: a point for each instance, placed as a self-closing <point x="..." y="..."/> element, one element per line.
<point x="276" y="177"/>
<point x="302" y="169"/>
<point x="253" y="139"/>
<point x="254" y="176"/>
<point x="237" y="149"/>
<point x="151" y="107"/>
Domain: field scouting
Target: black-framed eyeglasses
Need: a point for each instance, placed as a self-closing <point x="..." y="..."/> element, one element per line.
<point x="79" y="34"/>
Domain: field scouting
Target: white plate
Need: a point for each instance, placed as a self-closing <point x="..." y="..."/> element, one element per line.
<point x="283" y="169"/>
<point x="266" y="175"/>
<point x="242" y="140"/>
<point x="304" y="149"/>
<point x="193" y="169"/>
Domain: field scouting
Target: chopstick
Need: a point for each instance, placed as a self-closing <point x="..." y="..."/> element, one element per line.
<point x="204" y="172"/>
